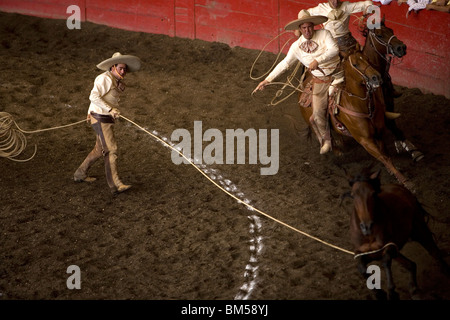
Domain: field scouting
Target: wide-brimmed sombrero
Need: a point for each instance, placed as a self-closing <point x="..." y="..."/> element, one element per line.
<point x="304" y="16"/>
<point x="133" y="63"/>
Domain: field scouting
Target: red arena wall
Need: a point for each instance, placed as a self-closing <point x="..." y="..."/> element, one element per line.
<point x="252" y="24"/>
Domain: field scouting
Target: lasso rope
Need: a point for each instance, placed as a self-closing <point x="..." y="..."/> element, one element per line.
<point x="289" y="78"/>
<point x="375" y="251"/>
<point x="13" y="142"/>
<point x="230" y="194"/>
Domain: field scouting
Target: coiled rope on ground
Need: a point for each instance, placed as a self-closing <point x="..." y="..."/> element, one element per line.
<point x="13" y="142"/>
<point x="12" y="138"/>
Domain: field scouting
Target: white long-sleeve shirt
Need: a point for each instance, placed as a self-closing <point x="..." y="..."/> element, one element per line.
<point x="327" y="55"/>
<point x="104" y="95"/>
<point x="338" y="19"/>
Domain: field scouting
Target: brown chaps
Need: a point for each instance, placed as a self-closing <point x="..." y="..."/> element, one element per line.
<point x="105" y="146"/>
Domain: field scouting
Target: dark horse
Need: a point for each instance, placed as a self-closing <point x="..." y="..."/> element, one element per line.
<point x="380" y="46"/>
<point x="384" y="218"/>
<point x="360" y="110"/>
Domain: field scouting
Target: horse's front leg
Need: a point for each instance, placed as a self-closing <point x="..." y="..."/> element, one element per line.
<point x="388" y="255"/>
<point x="375" y="151"/>
<point x="412" y="268"/>
<point x="362" y="268"/>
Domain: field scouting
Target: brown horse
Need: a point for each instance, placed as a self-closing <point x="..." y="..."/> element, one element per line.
<point x="384" y="218"/>
<point x="360" y="111"/>
<point x="380" y="46"/>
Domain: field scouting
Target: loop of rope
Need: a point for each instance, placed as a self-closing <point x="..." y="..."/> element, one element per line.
<point x="276" y="59"/>
<point x="289" y="78"/>
<point x="13" y="141"/>
<point x="375" y="251"/>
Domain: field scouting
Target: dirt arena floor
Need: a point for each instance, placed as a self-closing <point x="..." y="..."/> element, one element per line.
<point x="175" y="235"/>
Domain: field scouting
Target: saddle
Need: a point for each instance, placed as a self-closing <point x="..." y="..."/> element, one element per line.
<point x="333" y="100"/>
<point x="333" y="110"/>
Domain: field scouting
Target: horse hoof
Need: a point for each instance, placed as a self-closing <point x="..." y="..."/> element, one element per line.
<point x="417" y="156"/>
<point x="410" y="186"/>
<point x="393" y="295"/>
<point x="380" y="294"/>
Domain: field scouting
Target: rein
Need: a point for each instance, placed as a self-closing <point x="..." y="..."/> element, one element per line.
<point x="369" y="90"/>
<point x="387" y="45"/>
<point x="389" y="50"/>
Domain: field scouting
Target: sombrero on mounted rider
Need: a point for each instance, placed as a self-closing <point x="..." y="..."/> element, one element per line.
<point x="304" y="16"/>
<point x="133" y="63"/>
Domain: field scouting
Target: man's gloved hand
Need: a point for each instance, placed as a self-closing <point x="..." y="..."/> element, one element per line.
<point x="115" y="113"/>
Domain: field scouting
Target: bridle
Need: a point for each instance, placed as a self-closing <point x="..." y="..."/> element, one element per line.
<point x="369" y="91"/>
<point x="363" y="74"/>
<point x="387" y="44"/>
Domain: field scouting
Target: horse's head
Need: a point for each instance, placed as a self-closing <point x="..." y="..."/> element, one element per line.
<point x="365" y="188"/>
<point x="384" y="41"/>
<point x="358" y="69"/>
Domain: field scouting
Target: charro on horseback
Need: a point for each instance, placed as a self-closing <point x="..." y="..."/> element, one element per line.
<point x="318" y="51"/>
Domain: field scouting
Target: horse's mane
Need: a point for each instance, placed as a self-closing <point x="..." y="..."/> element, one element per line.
<point x="366" y="175"/>
<point x="362" y="25"/>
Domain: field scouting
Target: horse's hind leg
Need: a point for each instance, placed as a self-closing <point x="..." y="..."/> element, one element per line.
<point x="423" y="235"/>
<point x="410" y="148"/>
<point x="401" y="143"/>
<point x="375" y="151"/>
<point x="412" y="268"/>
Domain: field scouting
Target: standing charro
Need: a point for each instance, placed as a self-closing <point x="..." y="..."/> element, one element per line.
<point x="102" y="113"/>
<point x="317" y="50"/>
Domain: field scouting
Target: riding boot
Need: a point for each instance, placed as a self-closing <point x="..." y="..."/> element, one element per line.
<point x="108" y="145"/>
<point x="326" y="147"/>
<point x="320" y="112"/>
<point x="81" y="174"/>
<point x="325" y="135"/>
<point x="315" y="129"/>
